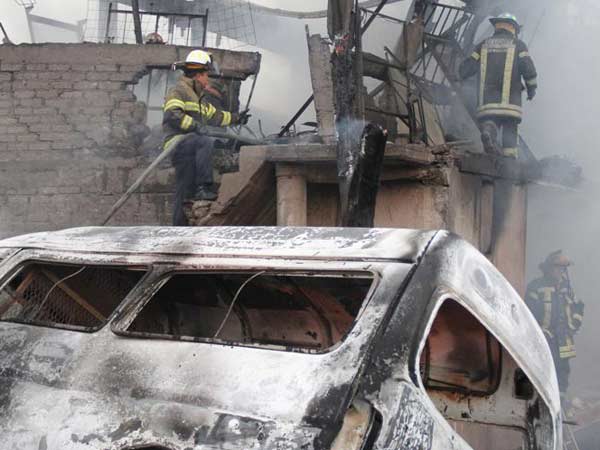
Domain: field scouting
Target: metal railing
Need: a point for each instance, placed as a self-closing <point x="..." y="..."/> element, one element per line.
<point x="153" y="26"/>
<point x="446" y="28"/>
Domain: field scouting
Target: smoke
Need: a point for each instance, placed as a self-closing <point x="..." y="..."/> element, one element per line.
<point x="562" y="120"/>
<point x="284" y="82"/>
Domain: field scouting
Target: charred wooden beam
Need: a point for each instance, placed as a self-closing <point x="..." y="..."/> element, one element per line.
<point x="363" y="180"/>
<point x="376" y="67"/>
<point x="137" y="21"/>
<point x="342" y="27"/>
<point x="293" y="120"/>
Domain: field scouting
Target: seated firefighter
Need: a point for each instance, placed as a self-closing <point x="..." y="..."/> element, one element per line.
<point x="186" y="113"/>
<point x="557" y="310"/>
<point x="501" y="61"/>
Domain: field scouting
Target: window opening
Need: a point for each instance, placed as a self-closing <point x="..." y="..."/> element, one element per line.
<point x="460" y="354"/>
<point x="524" y="389"/>
<point x="237" y="295"/>
<point x="461" y="369"/>
<point x="292" y="311"/>
<point x="152" y="90"/>
<point x="64" y="295"/>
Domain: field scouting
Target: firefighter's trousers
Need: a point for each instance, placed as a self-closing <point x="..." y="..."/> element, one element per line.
<point x="193" y="162"/>
<point x="563" y="367"/>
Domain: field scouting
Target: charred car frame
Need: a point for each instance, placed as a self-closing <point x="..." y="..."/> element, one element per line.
<point x="266" y="338"/>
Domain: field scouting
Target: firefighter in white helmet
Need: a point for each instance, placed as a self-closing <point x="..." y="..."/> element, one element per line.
<point x="185" y="112"/>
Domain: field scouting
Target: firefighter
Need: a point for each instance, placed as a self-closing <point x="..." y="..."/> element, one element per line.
<point x="186" y="112"/>
<point x="154" y="39"/>
<point x="501" y="62"/>
<point x="557" y="310"/>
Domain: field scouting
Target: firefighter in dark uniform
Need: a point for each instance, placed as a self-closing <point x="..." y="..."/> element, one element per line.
<point x="501" y="62"/>
<point x="186" y="112"/>
<point x="557" y="310"/>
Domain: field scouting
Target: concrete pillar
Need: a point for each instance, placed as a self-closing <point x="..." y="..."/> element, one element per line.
<point x="319" y="59"/>
<point x="291" y="196"/>
<point x="509" y="252"/>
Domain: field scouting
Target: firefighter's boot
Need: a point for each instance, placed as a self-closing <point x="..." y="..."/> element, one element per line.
<point x="206" y="192"/>
<point x="489" y="137"/>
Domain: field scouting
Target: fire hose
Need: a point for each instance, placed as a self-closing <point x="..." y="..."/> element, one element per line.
<point x="170" y="146"/>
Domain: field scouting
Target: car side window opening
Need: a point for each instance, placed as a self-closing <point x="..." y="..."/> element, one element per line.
<point x="460" y="354"/>
<point x="462" y="364"/>
<point x="74" y="296"/>
<point x="311" y="312"/>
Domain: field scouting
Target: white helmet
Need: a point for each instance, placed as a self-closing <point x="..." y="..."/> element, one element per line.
<point x="198" y="58"/>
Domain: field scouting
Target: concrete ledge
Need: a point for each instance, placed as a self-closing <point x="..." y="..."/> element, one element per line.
<point x="411" y="155"/>
<point x="418" y="155"/>
<point x="103" y="57"/>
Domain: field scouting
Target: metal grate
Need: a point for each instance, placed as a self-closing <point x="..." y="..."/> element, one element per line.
<point x="229" y="23"/>
<point x="77" y="296"/>
<point x="446" y="28"/>
<point x="57" y="308"/>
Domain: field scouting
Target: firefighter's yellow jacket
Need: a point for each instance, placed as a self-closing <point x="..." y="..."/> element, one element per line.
<point x="185" y="110"/>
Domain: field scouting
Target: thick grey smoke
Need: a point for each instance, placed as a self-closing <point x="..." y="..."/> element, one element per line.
<point x="563" y="120"/>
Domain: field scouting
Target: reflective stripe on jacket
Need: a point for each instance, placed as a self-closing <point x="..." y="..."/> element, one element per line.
<point x="184" y="110"/>
<point x="501" y="61"/>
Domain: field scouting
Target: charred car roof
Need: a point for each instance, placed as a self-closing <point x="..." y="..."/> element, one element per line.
<point x="314" y="243"/>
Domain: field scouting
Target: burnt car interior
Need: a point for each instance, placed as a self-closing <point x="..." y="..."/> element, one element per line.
<point x="308" y="312"/>
<point x="466" y="372"/>
<point x="66" y="296"/>
<point x="460" y="355"/>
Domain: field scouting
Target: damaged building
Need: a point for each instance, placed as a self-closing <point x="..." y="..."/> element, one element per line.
<point x="80" y="124"/>
<point x="77" y="133"/>
<point x="73" y="132"/>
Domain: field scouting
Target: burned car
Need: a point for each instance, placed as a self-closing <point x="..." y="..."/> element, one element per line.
<point x="266" y="338"/>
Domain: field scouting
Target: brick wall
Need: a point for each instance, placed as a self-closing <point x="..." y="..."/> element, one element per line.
<point x="70" y="133"/>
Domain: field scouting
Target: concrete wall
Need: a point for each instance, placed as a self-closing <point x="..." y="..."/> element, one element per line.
<point x="71" y="133"/>
<point x="490" y="214"/>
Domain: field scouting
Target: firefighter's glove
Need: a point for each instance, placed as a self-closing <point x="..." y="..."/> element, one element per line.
<point x="530" y="93"/>
<point x="241" y="118"/>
